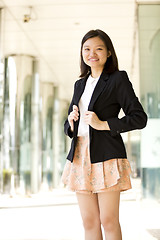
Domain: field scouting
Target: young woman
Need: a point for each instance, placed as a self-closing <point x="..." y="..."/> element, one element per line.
<point x="97" y="168"/>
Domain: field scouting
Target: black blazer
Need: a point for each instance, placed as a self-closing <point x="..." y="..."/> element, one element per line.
<point x="112" y="92"/>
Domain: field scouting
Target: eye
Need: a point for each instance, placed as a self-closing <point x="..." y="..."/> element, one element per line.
<point x="86" y="49"/>
<point x="99" y="49"/>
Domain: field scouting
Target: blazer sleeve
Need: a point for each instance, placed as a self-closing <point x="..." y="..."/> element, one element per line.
<point x="135" y="117"/>
<point x="67" y="128"/>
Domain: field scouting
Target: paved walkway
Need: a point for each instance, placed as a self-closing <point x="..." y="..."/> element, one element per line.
<point x="55" y="216"/>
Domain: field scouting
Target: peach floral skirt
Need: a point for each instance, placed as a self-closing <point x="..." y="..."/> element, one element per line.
<point x="82" y="176"/>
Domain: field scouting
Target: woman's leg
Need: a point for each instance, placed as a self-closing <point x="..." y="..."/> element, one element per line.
<point x="109" y="214"/>
<point x="88" y="204"/>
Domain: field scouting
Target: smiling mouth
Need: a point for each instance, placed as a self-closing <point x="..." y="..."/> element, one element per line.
<point x="93" y="59"/>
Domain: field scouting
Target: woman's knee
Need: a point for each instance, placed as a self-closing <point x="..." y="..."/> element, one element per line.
<point x="90" y="222"/>
<point x="109" y="222"/>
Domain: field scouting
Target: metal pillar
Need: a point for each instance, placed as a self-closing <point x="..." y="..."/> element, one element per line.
<point x="35" y="130"/>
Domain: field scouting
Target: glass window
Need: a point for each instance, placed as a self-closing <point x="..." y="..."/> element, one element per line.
<point x="149" y="47"/>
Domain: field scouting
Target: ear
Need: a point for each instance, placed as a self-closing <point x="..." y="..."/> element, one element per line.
<point x="109" y="54"/>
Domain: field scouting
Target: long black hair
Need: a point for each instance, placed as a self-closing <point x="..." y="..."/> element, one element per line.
<point x="111" y="64"/>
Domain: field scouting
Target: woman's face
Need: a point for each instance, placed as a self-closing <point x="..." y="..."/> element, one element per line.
<point x="94" y="53"/>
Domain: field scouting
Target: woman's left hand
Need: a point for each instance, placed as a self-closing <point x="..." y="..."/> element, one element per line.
<point x="92" y="120"/>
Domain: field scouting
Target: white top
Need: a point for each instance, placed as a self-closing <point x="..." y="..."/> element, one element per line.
<point x="83" y="128"/>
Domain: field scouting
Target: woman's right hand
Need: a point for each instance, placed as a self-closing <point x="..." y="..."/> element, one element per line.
<point x="73" y="116"/>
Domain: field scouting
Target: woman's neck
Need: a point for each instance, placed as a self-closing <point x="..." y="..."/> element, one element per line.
<point x="95" y="73"/>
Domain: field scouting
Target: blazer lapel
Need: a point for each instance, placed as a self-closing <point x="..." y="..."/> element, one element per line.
<point x="98" y="89"/>
<point x="79" y="90"/>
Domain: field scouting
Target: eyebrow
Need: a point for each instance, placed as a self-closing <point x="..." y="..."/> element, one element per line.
<point x="96" y="46"/>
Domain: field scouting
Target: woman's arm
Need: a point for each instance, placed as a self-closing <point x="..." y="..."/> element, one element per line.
<point x="135" y="117"/>
<point x="72" y="116"/>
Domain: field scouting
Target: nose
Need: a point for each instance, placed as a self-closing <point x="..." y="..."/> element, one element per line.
<point x="92" y="52"/>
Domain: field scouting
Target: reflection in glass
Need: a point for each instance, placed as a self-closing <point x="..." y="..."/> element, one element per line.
<point x="47" y="139"/>
<point x="17" y="123"/>
<point x="34" y="145"/>
<point x="149" y="37"/>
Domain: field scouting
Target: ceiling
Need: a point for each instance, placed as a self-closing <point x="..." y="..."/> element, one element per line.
<point x="56" y="28"/>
